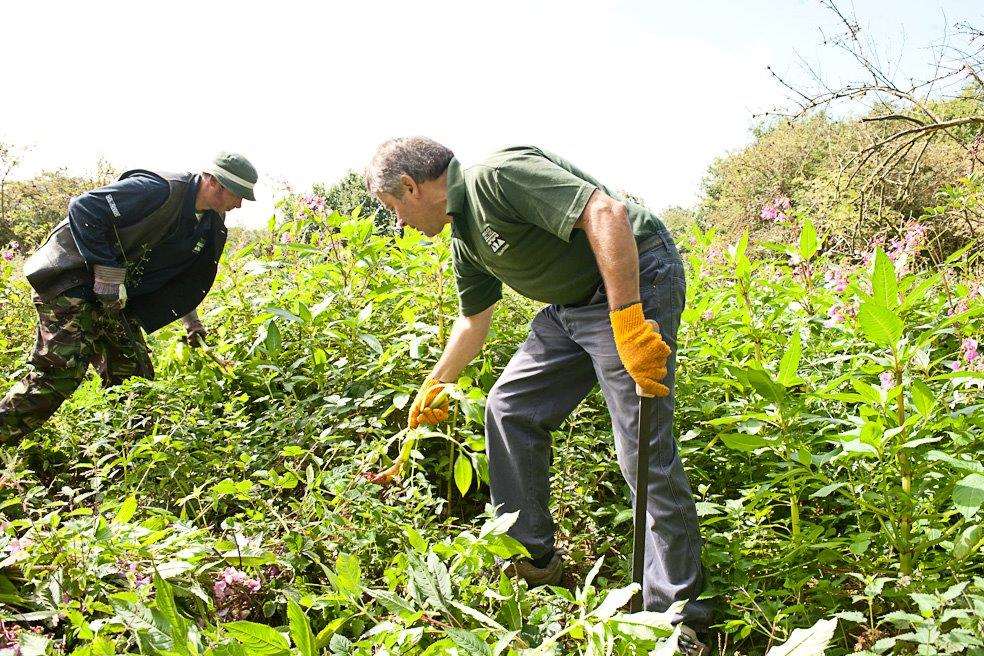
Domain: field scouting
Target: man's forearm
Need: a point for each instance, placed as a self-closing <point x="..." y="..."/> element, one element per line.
<point x="606" y="223"/>
<point x="467" y="337"/>
<point x="191" y="319"/>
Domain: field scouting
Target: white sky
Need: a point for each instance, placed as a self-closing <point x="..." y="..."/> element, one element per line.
<point x="642" y="94"/>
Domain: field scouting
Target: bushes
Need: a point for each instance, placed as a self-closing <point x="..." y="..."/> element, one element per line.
<point x="30" y="208"/>
<point x="819" y="164"/>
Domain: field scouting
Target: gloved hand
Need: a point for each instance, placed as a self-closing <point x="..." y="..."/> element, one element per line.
<point x="641" y="349"/>
<point x="431" y="404"/>
<point x="107" y="284"/>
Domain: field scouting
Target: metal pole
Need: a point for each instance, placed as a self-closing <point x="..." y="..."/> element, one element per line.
<point x="640" y="523"/>
<point x="644" y="429"/>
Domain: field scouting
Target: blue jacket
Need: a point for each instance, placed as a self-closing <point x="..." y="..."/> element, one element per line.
<point x="145" y="223"/>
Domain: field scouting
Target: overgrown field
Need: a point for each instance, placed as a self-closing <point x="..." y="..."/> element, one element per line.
<point x="829" y="414"/>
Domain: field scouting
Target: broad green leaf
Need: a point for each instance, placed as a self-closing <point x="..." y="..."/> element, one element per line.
<point x="349" y="579"/>
<point x="807" y="642"/>
<point x="884" y="284"/>
<point x="126" y="511"/>
<point x="969" y="542"/>
<point x="808" y="244"/>
<point x="646" y="624"/>
<point x="462" y="474"/>
<point x="852" y="616"/>
<point x="469" y="642"/>
<point x="499" y="525"/>
<point x="424" y="586"/>
<point x="392" y="601"/>
<point x="32" y="644"/>
<point x="762" y="383"/>
<point x="879" y="324"/>
<point x="258" y="639"/>
<point x="614" y="600"/>
<point x="300" y="629"/>
<point x="959" y="463"/>
<point x="478" y="615"/>
<point x="923" y="398"/>
<point x="164" y="601"/>
<point x="743" y="441"/>
<point x="372" y="342"/>
<point x="273" y="340"/>
<point x="968" y="494"/>
<point x="442" y="577"/>
<point x="790" y="361"/>
<point x="231" y="649"/>
<point x="415" y="539"/>
<point x="326" y="634"/>
<point x="826" y="490"/>
<point x="339" y="645"/>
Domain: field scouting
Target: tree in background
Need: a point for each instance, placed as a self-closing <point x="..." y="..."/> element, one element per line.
<point x="912" y="159"/>
<point x="30" y="208"/>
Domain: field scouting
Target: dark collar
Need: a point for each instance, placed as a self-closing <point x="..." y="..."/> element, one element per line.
<point x="456" y="188"/>
<point x="188" y="208"/>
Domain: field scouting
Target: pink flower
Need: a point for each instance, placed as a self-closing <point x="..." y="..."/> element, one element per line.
<point x="233" y="592"/>
<point x="835" y="315"/>
<point x="955" y="365"/>
<point x="286" y="238"/>
<point x="783" y="203"/>
<point x="836" y="279"/>
<point x="9" y="638"/>
<point x="887" y="380"/>
<point x="769" y="212"/>
<point x="8" y="256"/>
<point x="708" y="315"/>
<point x="839" y="313"/>
<point x="16" y="545"/>
<point x="314" y="203"/>
<point x="130" y="570"/>
<point x="969" y="349"/>
<point x="961" y="306"/>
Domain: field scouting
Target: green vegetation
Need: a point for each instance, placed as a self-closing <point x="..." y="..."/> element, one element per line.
<point x="829" y="412"/>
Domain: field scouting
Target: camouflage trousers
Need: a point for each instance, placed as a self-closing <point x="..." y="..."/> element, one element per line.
<point x="72" y="334"/>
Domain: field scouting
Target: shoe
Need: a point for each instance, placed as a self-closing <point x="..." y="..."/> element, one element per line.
<point x="689" y="644"/>
<point x="537" y="576"/>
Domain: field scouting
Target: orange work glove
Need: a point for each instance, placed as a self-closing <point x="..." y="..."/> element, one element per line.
<point x="431" y="404"/>
<point x="641" y="348"/>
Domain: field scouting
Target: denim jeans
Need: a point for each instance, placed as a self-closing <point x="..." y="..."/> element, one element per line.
<point x="569" y="349"/>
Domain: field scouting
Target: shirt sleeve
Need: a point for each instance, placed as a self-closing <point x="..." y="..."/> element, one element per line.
<point x="93" y="215"/>
<point x="477" y="289"/>
<point x="544" y="193"/>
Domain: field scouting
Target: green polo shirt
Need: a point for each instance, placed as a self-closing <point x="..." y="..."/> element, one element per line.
<point x="513" y="217"/>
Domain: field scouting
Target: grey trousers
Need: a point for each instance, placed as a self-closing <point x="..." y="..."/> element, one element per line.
<point x="568" y="350"/>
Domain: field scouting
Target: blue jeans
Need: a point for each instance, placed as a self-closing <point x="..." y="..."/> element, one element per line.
<point x="569" y="349"/>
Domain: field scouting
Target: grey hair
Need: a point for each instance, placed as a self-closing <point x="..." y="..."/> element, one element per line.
<point x="420" y="158"/>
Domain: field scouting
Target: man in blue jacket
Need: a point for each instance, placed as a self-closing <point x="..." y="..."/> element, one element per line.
<point x="136" y="254"/>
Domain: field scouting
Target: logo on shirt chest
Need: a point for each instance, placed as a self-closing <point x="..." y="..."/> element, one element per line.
<point x="495" y="242"/>
<point x="199" y="246"/>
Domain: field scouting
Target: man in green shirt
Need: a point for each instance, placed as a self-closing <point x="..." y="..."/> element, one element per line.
<point x="532" y="220"/>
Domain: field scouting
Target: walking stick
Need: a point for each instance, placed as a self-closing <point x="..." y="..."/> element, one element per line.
<point x="641" y="493"/>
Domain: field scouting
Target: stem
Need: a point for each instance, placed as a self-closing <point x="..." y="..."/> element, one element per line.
<point x="452" y="449"/>
<point x="794" y="510"/>
<point x="905" y="469"/>
<point x="756" y="340"/>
